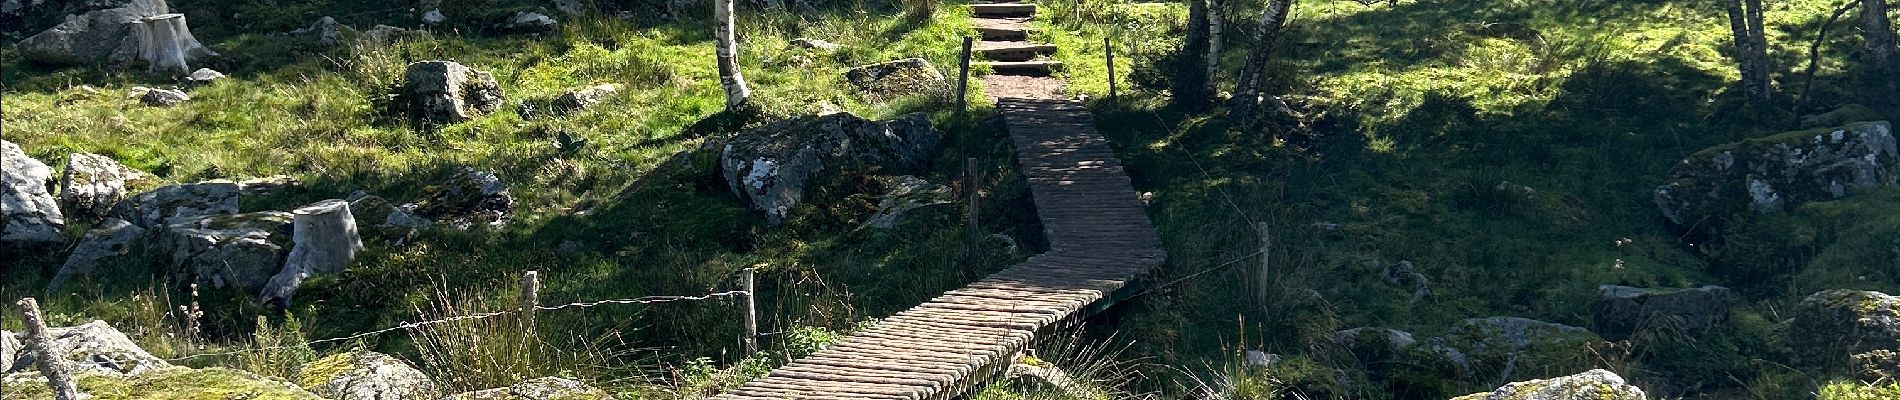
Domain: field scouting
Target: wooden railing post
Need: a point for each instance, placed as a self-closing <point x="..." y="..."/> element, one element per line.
<point x="530" y="298"/>
<point x="1265" y="278"/>
<point x="751" y="312"/>
<point x="974" y="191"/>
<point x="1109" y="48"/>
<point x="963" y="75"/>
<point x="41" y="344"/>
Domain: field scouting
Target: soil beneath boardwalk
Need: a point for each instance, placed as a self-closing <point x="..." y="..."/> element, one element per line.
<point x="1032" y="87"/>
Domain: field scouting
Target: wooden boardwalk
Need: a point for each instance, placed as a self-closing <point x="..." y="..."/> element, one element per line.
<point x="1100" y="240"/>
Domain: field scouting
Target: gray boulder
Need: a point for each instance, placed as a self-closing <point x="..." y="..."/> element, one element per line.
<point x="544" y="388"/>
<point x="163" y="97"/>
<point x="183" y="203"/>
<point x="904" y="194"/>
<point x="112" y="238"/>
<point x="1502" y="347"/>
<point x="768" y="167"/>
<point x="94" y="37"/>
<point x="203" y="76"/>
<point x="1622" y="309"/>
<point x="1830" y="325"/>
<point x="442" y="92"/>
<point x="1405" y="276"/>
<point x="576" y="100"/>
<point x="94" y="348"/>
<point x="326" y="32"/>
<point x="890" y="79"/>
<point x="368" y="209"/>
<point x="92" y="184"/>
<point x="9" y="347"/>
<point x="1372" y="344"/>
<point x="365" y="375"/>
<point x="1594" y="384"/>
<point x="468" y="198"/>
<point x="814" y="44"/>
<point x="32" y="216"/>
<point x="239" y="251"/>
<point x="1779" y="172"/>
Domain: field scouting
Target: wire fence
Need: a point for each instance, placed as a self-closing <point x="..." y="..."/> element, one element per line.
<point x="460" y="318"/>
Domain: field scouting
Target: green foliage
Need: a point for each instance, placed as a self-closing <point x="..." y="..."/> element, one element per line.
<point x="173" y="384"/>
<point x="1858" y="391"/>
<point x="276" y="351"/>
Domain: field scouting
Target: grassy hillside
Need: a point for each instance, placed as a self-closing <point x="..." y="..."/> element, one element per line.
<point x="1508" y="149"/>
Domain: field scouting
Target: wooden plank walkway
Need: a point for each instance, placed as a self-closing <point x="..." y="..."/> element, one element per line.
<point x="1100" y="240"/>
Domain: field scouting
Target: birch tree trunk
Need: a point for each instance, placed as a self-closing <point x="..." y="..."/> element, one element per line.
<point x="728" y="49"/>
<point x="1214" y="26"/>
<point x="1751" y="48"/>
<point x="1247" y="95"/>
<point x="166" y="43"/>
<point x="1877" y="27"/>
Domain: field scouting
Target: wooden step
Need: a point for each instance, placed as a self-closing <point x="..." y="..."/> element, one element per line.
<point x="1003" y="10"/>
<point x="997" y="33"/>
<point x="1017" y="51"/>
<point x="1026" y="68"/>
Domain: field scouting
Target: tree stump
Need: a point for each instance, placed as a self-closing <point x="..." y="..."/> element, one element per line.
<point x="323" y="240"/>
<point x="166" y="44"/>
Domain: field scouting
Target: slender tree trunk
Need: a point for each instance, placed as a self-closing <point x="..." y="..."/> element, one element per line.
<point x="1191" y="81"/>
<point x="1214" y="27"/>
<point x="728" y="48"/>
<point x="1877" y="27"/>
<point x="1751" y="48"/>
<point x="1247" y="90"/>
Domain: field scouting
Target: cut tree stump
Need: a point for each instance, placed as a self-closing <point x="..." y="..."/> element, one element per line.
<point x="166" y="44"/>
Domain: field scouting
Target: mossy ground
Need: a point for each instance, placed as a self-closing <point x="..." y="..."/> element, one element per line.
<point x="173" y="384"/>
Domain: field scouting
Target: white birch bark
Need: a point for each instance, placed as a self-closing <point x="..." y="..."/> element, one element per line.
<point x="728" y="50"/>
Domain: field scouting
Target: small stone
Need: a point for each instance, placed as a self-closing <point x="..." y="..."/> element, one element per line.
<point x="1261" y="359"/>
<point x="1405" y="276"/>
<point x="163" y="97"/>
<point x="468" y="198"/>
<point x="529" y="21"/>
<point x="433" y="17"/>
<point x="448" y="92"/>
<point x="815" y="44"/>
<point x="204" y="76"/>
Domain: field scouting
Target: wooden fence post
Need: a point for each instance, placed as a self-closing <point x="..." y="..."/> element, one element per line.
<point x="530" y="297"/>
<point x="41" y="344"/>
<point x="963" y="75"/>
<point x="1110" y="50"/>
<point x="1265" y="278"/>
<point x="751" y="312"/>
<point x="974" y="190"/>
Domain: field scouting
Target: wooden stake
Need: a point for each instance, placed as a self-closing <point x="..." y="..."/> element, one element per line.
<point x="751" y="312"/>
<point x="1110" y="50"/>
<point x="41" y="344"/>
<point x="963" y="75"/>
<point x="1265" y="274"/>
<point x="530" y="297"/>
<point x="974" y="189"/>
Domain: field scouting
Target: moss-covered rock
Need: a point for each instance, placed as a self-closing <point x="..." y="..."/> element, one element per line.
<point x="1844" y="115"/>
<point x="1779" y="172"/>
<point x="237" y="250"/>
<point x="1594" y="384"/>
<point x="165" y="384"/>
<point x="544" y="388"/>
<point x="1622" y="310"/>
<point x="1504" y="347"/>
<point x="1832" y="324"/>
<point x="94" y="347"/>
<point x="888" y="80"/>
<point x="365" y="376"/>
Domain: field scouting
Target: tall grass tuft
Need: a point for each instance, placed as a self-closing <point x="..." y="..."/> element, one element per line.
<point x="277" y="351"/>
<point x="481" y="353"/>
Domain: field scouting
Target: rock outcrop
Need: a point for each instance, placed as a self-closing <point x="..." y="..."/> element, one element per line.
<point x="32" y="216"/>
<point x="110" y="239"/>
<point x="94" y="347"/>
<point x="443" y="92"/>
<point x="1622" y="309"/>
<point x="1404" y="275"/>
<point x="173" y="204"/>
<point x="92" y="184"/>
<point x="1502" y="347"/>
<point x="365" y="375"/>
<point x="769" y="167"/>
<point x="902" y="195"/>
<point x="1779" y="172"/>
<point x="890" y="79"/>
<point x="544" y="388"/>
<point x="9" y="347"/>
<point x="236" y="251"/>
<point x="468" y="198"/>
<point x="1594" y="384"/>
<point x="1832" y="325"/>
<point x="526" y="21"/>
<point x="94" y="37"/>
<point x="1373" y="344"/>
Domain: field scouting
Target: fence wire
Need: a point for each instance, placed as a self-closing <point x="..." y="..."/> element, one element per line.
<point x="419" y="324"/>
